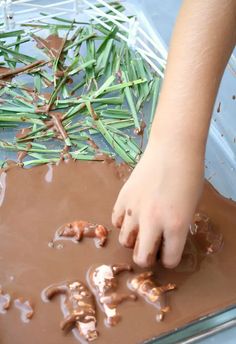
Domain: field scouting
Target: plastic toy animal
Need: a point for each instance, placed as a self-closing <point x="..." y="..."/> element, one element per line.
<point x="77" y="230"/>
<point x="146" y="287"/>
<point x="80" y="306"/>
<point x="104" y="282"/>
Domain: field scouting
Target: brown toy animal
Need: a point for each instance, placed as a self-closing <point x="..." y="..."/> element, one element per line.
<point x="144" y="285"/>
<point x="79" y="229"/>
<point x="80" y="306"/>
<point x="104" y="283"/>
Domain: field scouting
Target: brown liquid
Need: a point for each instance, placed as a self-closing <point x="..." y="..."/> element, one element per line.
<point x="36" y="202"/>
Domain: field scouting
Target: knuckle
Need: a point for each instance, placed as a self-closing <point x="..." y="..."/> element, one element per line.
<point x="154" y="213"/>
<point x="176" y="225"/>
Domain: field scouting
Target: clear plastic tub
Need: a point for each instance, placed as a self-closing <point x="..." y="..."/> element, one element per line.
<point x="157" y="18"/>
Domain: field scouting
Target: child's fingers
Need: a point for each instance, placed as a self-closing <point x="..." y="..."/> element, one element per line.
<point x="173" y="246"/>
<point x="147" y="244"/>
<point x="118" y="213"/>
<point x="129" y="231"/>
<point x="118" y="217"/>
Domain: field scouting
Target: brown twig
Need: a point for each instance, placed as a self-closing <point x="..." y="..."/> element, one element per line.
<point x="24" y="69"/>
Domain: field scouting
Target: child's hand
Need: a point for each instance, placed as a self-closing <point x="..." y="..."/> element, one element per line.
<point x="157" y="203"/>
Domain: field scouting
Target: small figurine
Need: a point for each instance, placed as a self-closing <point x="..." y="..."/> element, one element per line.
<point x="79" y="229"/>
<point x="25" y="308"/>
<point x="5" y="301"/>
<point x="104" y="283"/>
<point x="144" y="285"/>
<point x="207" y="239"/>
<point x="79" y="304"/>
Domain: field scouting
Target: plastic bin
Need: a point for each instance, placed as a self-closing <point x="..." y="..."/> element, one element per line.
<point x="157" y="17"/>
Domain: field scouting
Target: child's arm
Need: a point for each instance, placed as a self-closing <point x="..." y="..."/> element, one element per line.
<point x="157" y="203"/>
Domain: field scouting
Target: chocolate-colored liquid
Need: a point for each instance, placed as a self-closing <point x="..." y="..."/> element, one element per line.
<point x="36" y="202"/>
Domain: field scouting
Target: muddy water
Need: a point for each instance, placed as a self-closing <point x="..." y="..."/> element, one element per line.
<point x="36" y="202"/>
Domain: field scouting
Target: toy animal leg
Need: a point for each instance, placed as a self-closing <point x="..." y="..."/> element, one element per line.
<point x="144" y="275"/>
<point x="166" y="309"/>
<point x="161" y="313"/>
<point x="7" y="304"/>
<point x="69" y="322"/>
<point x="167" y="287"/>
<point x="66" y="231"/>
<point x="101" y="234"/>
<point x="78" y="235"/>
<point x="118" y="268"/>
<point x="60" y="231"/>
<point x="111" y="303"/>
<point x="112" y="321"/>
<point x="159" y="316"/>
<point x="125" y="297"/>
<point x="115" y="299"/>
<point x="102" y="241"/>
